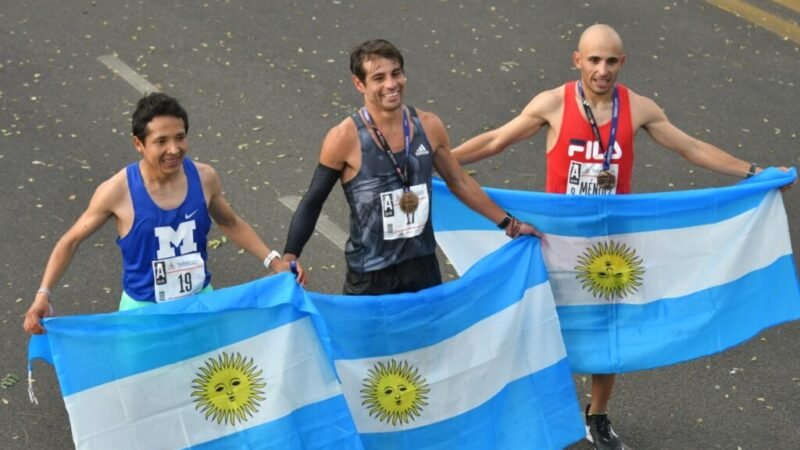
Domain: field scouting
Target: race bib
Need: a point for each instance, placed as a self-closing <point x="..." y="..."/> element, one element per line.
<point x="398" y="224"/>
<point x="179" y="276"/>
<point x="582" y="179"/>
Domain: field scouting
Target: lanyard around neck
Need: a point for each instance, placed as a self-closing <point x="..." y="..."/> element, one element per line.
<point x="612" y="137"/>
<point x="401" y="173"/>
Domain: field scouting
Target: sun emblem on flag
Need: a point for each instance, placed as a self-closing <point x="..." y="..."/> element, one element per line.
<point x="228" y="388"/>
<point x="394" y="392"/>
<point x="610" y="270"/>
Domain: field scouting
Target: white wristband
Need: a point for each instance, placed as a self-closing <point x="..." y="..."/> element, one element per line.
<point x="272" y="255"/>
<point x="44" y="290"/>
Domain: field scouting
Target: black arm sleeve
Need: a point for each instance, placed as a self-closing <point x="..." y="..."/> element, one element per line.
<point x="305" y="218"/>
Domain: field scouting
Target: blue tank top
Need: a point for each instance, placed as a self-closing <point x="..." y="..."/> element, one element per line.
<point x="367" y="248"/>
<point x="184" y="228"/>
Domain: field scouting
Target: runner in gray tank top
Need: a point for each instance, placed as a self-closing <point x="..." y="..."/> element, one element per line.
<point x="384" y="156"/>
<point x="373" y="198"/>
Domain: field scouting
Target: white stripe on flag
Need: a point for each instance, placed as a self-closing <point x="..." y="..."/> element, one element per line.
<point x="156" y="410"/>
<point x="677" y="261"/>
<point x="470" y="368"/>
<point x="680" y="261"/>
<point x="464" y="248"/>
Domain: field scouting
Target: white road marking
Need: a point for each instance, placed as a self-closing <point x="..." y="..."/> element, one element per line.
<point x="134" y="79"/>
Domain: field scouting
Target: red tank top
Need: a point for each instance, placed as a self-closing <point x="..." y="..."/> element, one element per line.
<point x="576" y="158"/>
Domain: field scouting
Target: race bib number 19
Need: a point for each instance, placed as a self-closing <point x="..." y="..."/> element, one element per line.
<point x="178" y="277"/>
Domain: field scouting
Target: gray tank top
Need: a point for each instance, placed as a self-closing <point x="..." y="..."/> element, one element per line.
<point x="375" y="242"/>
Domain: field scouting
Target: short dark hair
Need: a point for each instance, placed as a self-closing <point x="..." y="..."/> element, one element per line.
<point x="152" y="105"/>
<point x="370" y="49"/>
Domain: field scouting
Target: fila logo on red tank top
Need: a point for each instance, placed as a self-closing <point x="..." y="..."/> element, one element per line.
<point x="582" y="150"/>
<point x="586" y="165"/>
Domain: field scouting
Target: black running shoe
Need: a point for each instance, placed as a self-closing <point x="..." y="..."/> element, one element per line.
<point x="600" y="433"/>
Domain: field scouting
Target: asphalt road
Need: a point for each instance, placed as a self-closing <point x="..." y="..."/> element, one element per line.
<point x="264" y="80"/>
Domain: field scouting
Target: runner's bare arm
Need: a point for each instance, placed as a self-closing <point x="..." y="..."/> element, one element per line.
<point x="464" y="187"/>
<point x="341" y="149"/>
<point x="697" y="152"/>
<point x="231" y="224"/>
<point x="102" y="205"/>
<point x="535" y="115"/>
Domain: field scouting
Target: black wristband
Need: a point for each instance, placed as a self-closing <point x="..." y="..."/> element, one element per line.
<point x="505" y="222"/>
<point x="305" y="218"/>
<point x="752" y="170"/>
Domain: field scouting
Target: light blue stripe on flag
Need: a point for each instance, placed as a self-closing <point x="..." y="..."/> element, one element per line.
<point x="477" y="363"/>
<point x="512" y="419"/>
<point x="700" y="324"/>
<point x="105" y="347"/>
<point x="574" y="215"/>
<point x="301" y="430"/>
<point x="419" y="316"/>
<point x="648" y="280"/>
<point x="227" y="369"/>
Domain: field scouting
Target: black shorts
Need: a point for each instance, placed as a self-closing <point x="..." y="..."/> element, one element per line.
<point x="411" y="275"/>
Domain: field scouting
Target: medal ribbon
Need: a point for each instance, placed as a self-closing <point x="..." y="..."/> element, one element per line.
<point x="401" y="173"/>
<point x="612" y="137"/>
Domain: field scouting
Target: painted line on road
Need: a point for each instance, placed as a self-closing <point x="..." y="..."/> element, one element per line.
<point x="794" y="5"/>
<point x="762" y="18"/>
<point x="134" y="79"/>
<point x="324" y="225"/>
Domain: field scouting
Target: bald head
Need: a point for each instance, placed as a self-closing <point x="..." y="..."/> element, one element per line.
<point x="600" y="35"/>
<point x="599" y="58"/>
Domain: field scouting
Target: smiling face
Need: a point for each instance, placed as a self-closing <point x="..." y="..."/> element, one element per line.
<point x="164" y="146"/>
<point x="599" y="59"/>
<point x="394" y="392"/>
<point x="228" y="389"/>
<point x="383" y="85"/>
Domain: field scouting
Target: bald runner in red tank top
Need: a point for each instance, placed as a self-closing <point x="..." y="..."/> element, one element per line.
<point x="576" y="158"/>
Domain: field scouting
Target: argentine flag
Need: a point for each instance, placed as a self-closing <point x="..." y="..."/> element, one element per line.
<point x="234" y="368"/>
<point x="476" y="363"/>
<point x="647" y="280"/>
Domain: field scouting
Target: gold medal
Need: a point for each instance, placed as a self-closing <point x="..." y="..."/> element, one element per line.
<point x="409" y="202"/>
<point x="606" y="180"/>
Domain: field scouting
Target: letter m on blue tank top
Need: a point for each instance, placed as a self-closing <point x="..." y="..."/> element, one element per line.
<point x="169" y="239"/>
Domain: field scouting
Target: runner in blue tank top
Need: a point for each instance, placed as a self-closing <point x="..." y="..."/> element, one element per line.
<point x="165" y="241"/>
<point x="384" y="156"/>
<point x="162" y="206"/>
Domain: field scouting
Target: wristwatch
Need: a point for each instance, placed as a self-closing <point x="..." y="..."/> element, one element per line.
<point x="272" y="255"/>
<point x="752" y="170"/>
<point x="505" y="222"/>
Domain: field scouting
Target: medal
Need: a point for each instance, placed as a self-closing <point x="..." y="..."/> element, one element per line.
<point x="606" y="180"/>
<point x="409" y="202"/>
